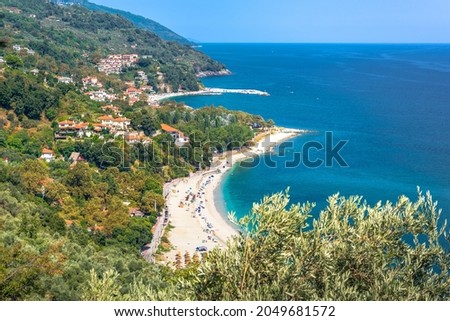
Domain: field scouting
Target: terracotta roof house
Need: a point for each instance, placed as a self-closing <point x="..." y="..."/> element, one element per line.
<point x="114" y="109"/>
<point x="66" y="124"/>
<point x="133" y="92"/>
<point x="132" y="100"/>
<point x="75" y="157"/>
<point x="65" y="80"/>
<point x="121" y="122"/>
<point x="135" y="212"/>
<point x="135" y="137"/>
<point x="91" y="81"/>
<point x="106" y="120"/>
<point x="48" y="155"/>
<point x="82" y="126"/>
<point x="178" y="135"/>
<point x="98" y="127"/>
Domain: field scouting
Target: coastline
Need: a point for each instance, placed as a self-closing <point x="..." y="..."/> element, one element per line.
<point x="198" y="221"/>
<point x="156" y="98"/>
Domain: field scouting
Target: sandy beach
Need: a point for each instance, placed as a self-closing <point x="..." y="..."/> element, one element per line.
<point x="196" y="219"/>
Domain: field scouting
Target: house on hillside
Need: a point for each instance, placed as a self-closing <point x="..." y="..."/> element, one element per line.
<point x="48" y="155"/>
<point x="133" y="92"/>
<point x="121" y="123"/>
<point x="178" y="135"/>
<point x="19" y="48"/>
<point x="65" y="80"/>
<point x="13" y="10"/>
<point x="130" y="59"/>
<point x="135" y="212"/>
<point x="136" y="137"/>
<point x="112" y="108"/>
<point x="91" y="82"/>
<point x="113" y="64"/>
<point x="141" y="77"/>
<point x="106" y="120"/>
<point x="110" y="122"/>
<point x="69" y="127"/>
<point x="101" y="95"/>
<point x="74" y="158"/>
<point x="132" y="100"/>
<point x="66" y="125"/>
<point x="82" y="129"/>
<point x="98" y="127"/>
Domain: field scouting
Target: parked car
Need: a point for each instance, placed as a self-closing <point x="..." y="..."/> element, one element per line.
<point x="201" y="248"/>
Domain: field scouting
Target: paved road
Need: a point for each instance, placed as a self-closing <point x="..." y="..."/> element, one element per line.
<point x="161" y="223"/>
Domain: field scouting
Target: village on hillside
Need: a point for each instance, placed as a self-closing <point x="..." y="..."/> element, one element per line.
<point x="112" y="121"/>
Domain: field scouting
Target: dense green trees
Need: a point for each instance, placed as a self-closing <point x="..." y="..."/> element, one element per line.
<point x="66" y="34"/>
<point x="13" y="61"/>
<point x="25" y="95"/>
<point x="44" y="257"/>
<point x="350" y="252"/>
<point x="144" y="120"/>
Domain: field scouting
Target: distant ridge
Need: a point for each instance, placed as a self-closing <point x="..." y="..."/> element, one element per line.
<point x="141" y="22"/>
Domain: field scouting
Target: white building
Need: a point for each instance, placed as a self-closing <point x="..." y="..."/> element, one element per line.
<point x="48" y="155"/>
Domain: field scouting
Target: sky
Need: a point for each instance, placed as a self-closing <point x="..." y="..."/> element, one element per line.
<point x="349" y="21"/>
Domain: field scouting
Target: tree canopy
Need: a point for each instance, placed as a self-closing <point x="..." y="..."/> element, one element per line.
<point x="352" y="251"/>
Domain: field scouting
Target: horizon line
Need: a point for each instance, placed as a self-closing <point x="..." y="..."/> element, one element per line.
<point x="325" y="43"/>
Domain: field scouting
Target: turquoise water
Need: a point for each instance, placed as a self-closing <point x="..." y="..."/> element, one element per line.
<point x="391" y="102"/>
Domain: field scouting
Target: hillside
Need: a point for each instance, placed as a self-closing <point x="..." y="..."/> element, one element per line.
<point x="139" y="21"/>
<point x="78" y="37"/>
<point x="83" y="157"/>
<point x="142" y="22"/>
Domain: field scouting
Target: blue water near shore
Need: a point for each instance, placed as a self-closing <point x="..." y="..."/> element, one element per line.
<point x="391" y="102"/>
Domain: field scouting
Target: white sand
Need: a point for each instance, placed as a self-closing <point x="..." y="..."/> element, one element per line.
<point x="191" y="221"/>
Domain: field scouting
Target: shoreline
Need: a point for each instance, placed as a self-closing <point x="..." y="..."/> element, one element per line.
<point x="193" y="210"/>
<point x="157" y="98"/>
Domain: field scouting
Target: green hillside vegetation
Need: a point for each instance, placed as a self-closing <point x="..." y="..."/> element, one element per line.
<point x="70" y="39"/>
<point x="73" y="219"/>
<point x="60" y="220"/>
<point x="351" y="252"/>
<point x="142" y="22"/>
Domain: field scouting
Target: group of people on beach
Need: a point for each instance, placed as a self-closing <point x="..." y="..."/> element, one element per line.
<point x="195" y="203"/>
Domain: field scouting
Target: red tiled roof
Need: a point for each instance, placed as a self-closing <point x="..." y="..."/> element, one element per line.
<point x="67" y="122"/>
<point x="81" y="125"/>
<point x="106" y="117"/>
<point x="133" y="90"/>
<point x="121" y="120"/>
<point x="47" y="151"/>
<point x="168" y="128"/>
<point x="110" y="107"/>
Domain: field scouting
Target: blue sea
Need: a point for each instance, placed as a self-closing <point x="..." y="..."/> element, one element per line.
<point x="390" y="102"/>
